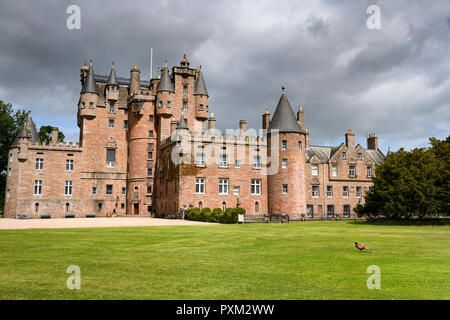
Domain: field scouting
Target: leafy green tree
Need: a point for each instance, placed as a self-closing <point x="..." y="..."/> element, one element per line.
<point x="45" y="134"/>
<point x="410" y="184"/>
<point x="10" y="123"/>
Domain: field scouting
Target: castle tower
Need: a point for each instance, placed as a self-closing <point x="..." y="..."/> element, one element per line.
<point x="286" y="188"/>
<point x="201" y="99"/>
<point x="87" y="105"/>
<point x="164" y="103"/>
<point x="112" y="86"/>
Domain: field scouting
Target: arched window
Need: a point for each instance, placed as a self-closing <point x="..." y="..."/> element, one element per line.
<point x="256" y="207"/>
<point x="200" y="205"/>
<point x="67" y="207"/>
<point x="224" y="206"/>
<point x="36" y="207"/>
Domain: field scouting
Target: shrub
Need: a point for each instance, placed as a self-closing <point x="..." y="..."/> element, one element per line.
<point x="194" y="214"/>
<point x="205" y="215"/>
<point x="216" y="215"/>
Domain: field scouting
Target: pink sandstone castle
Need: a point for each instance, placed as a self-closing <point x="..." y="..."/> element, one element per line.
<point x="152" y="148"/>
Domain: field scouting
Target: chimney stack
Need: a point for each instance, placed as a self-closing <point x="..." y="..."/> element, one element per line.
<point x="54" y="138"/>
<point x="173" y="125"/>
<point x="212" y="122"/>
<point x="266" y="120"/>
<point x="301" y="117"/>
<point x="243" y="128"/>
<point x="350" y="139"/>
<point x="135" y="80"/>
<point x="372" y="141"/>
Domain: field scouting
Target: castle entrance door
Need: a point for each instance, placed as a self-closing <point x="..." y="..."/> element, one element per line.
<point x="136" y="209"/>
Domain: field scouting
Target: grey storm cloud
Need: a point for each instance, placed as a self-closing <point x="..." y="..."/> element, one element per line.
<point x="393" y="81"/>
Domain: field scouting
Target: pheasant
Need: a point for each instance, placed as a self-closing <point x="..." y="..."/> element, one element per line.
<point x="361" y="247"/>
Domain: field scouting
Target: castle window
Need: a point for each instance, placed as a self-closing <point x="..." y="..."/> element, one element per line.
<point x="39" y="164"/>
<point x="124" y="191"/>
<point x="284" y="145"/>
<point x="369" y="172"/>
<point x="109" y="189"/>
<point x="352" y="171"/>
<point x="334" y="170"/>
<point x="68" y="188"/>
<point x="256" y="207"/>
<point x="200" y="185"/>
<point x="122" y="205"/>
<point x="169" y="104"/>
<point x="256" y="187"/>
<point x="37" y="187"/>
<point x="185" y="106"/>
<point x="236" y="190"/>
<point x="149" y="189"/>
<point x="36" y="207"/>
<point x="185" y="89"/>
<point x="359" y="156"/>
<point x="149" y="172"/>
<point x="223" y="186"/>
<point x="223" y="161"/>
<point x="111" y="123"/>
<point x="358" y="192"/>
<point x="315" y="191"/>
<point x="329" y="191"/>
<point x="125" y="111"/>
<point x="200" y="205"/>
<point x="310" y="211"/>
<point x="8" y="193"/>
<point x="330" y="211"/>
<point x="346" y="211"/>
<point x="91" y="105"/>
<point x="314" y="170"/>
<point x="200" y="159"/>
<point x="224" y="206"/>
<point x="345" y="192"/>
<point x="94" y="191"/>
<point x="112" y="107"/>
<point x="160" y="104"/>
<point x="299" y="146"/>
<point x="285" y="189"/>
<point x="125" y="124"/>
<point x="150" y="134"/>
<point x="110" y="158"/>
<point x="150" y="118"/>
<point x="67" y="207"/>
<point x="69" y="165"/>
<point x="257" y="162"/>
<point x="150" y="154"/>
<point x="9" y="172"/>
<point x="200" y="107"/>
<point x="237" y="164"/>
<point x="284" y="163"/>
<point x="83" y="105"/>
<point x="344" y="155"/>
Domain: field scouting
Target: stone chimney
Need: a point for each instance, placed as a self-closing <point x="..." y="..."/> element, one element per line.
<point x="350" y="139"/>
<point x="243" y="128"/>
<point x="135" y="80"/>
<point x="372" y="141"/>
<point x="301" y="117"/>
<point x="212" y="122"/>
<point x="266" y="120"/>
<point x="54" y="138"/>
<point x="173" y="125"/>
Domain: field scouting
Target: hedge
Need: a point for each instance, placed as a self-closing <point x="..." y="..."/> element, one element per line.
<point x="217" y="215"/>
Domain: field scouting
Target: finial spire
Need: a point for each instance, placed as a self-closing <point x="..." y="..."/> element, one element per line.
<point x="283" y="89"/>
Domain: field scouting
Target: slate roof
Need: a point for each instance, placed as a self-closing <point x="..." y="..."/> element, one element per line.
<point x="324" y="154"/>
<point x="89" y="85"/>
<point x="165" y="84"/>
<point x="200" y="86"/>
<point x="112" y="79"/>
<point x="28" y="130"/>
<point x="284" y="118"/>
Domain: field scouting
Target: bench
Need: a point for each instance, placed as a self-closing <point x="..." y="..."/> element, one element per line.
<point x="46" y="216"/>
<point x="70" y="215"/>
<point x="90" y="215"/>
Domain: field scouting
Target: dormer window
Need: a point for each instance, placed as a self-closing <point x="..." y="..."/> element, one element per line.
<point x="359" y="156"/>
<point x="344" y="155"/>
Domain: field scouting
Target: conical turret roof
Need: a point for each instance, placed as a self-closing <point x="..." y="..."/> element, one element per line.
<point x="284" y="118"/>
<point x="28" y="130"/>
<point x="165" y="84"/>
<point x="182" y="124"/>
<point x="112" y="80"/>
<point x="89" y="83"/>
<point x="200" y="86"/>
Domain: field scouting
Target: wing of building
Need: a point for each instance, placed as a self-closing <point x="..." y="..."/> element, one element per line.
<point x="152" y="148"/>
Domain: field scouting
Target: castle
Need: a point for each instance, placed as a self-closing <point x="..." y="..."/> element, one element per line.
<point x="152" y="148"/>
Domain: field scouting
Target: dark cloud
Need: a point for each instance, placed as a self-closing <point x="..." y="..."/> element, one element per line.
<point x="392" y="81"/>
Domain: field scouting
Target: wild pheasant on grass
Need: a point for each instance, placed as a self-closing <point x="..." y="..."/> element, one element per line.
<point x="361" y="247"/>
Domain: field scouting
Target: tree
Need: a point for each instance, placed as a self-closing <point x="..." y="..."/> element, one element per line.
<point x="410" y="184"/>
<point x="10" y="124"/>
<point x="45" y="134"/>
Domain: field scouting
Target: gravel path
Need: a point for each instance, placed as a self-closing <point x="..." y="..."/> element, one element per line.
<point x="93" y="223"/>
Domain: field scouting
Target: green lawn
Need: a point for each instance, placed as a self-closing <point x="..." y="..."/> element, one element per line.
<point x="310" y="260"/>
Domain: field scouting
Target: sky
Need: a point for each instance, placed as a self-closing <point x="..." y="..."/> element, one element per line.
<point x="392" y="81"/>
